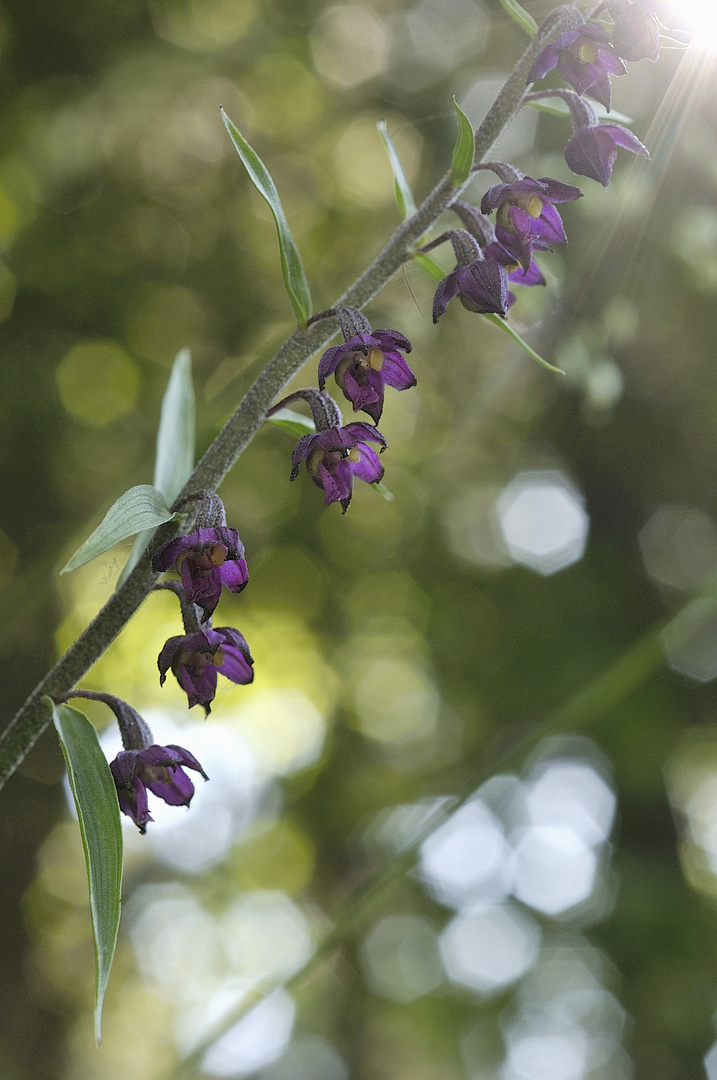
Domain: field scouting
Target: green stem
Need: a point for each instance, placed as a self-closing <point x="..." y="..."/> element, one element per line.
<point x="32" y="718"/>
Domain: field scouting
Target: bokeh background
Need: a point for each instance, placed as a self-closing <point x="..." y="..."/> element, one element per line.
<point x="561" y="925"/>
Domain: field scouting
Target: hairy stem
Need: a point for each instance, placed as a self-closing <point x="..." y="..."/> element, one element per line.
<point x="32" y="718"/>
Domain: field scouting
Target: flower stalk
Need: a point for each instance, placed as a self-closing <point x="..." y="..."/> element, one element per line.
<point x="33" y="717"/>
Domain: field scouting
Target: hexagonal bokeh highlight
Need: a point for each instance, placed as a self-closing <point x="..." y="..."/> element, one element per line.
<point x="466" y="860"/>
<point x="489" y="947"/>
<point x="554" y="869"/>
<point x="679" y="547"/>
<point x="543" y="521"/>
<point x="690" y="641"/>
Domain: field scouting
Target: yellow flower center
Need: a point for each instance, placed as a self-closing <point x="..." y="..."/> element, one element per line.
<point x="354" y="455"/>
<point x="376" y="359"/>
<point x="587" y="52"/>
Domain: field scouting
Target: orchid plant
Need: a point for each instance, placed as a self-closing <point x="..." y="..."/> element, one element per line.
<point x="185" y="544"/>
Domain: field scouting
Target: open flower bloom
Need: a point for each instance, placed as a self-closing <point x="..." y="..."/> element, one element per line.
<point x="593" y="149"/>
<point x="481" y="286"/>
<point x="207" y="560"/>
<point x="196" y="659"/>
<point x="526" y="217"/>
<point x="335" y="456"/>
<point x="585" y="58"/>
<point x="157" y="769"/>
<point x="364" y="365"/>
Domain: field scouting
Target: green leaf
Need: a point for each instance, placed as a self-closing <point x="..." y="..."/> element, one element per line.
<point x="142" y="507"/>
<point x="293" y="422"/>
<point x="174" y="456"/>
<point x="380" y="487"/>
<point x="515" y="336"/>
<point x="464" y="151"/>
<point x="558" y="107"/>
<point x="294" y="277"/>
<point x="99" y="816"/>
<point x="430" y="266"/>
<point x="520" y="15"/>
<point x="174" y="460"/>
<point x="404" y="195"/>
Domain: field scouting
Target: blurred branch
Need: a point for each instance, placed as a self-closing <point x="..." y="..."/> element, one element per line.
<point x="627" y="673"/>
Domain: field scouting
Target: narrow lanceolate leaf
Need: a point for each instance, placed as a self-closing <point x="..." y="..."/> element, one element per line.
<point x="174" y="460"/>
<point x="293" y="422"/>
<point x="515" y="336"/>
<point x="520" y="15"/>
<point x="404" y="195"/>
<point x="142" y="507"/>
<point x="558" y="107"/>
<point x="98" y="813"/>
<point x="294" y="277"/>
<point x="464" y="151"/>
<point x="174" y="456"/>
<point x="381" y="488"/>
<point x="430" y="266"/>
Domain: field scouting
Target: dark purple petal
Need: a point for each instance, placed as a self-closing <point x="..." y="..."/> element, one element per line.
<point x="531" y="276"/>
<point x="234" y="574"/>
<point x="445" y="292"/>
<point x="555" y="191"/>
<point x="301" y="451"/>
<point x="233" y="637"/>
<point x="367" y="396"/>
<point x="199" y="684"/>
<point x="484" y="287"/>
<point x="337" y="485"/>
<point x="396" y="372"/>
<point x="186" y="759"/>
<point x="548" y="58"/>
<point x="369" y="467"/>
<point x="134" y="804"/>
<point x="391" y="339"/>
<point x="592" y="150"/>
<point x="173" y="786"/>
<point x="169" y="649"/>
<point x="234" y="665"/>
<point x="167" y="556"/>
<point x="360" y="431"/>
<point x="329" y="360"/>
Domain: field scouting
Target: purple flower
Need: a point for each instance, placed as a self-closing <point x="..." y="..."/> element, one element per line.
<point x="364" y="365"/>
<point x="195" y="660"/>
<point x="585" y="58"/>
<point x="526" y="217"/>
<point x="333" y="457"/>
<point x="516" y="273"/>
<point x="157" y="768"/>
<point x="636" y="34"/>
<point x="481" y="286"/>
<point x="206" y="559"/>
<point x="593" y="149"/>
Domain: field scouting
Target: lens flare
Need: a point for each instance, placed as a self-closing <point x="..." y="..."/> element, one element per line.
<point x="700" y="18"/>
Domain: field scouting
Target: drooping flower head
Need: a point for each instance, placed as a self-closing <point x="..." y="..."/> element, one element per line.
<point x="159" y="769"/>
<point x="593" y="149"/>
<point x="585" y="58"/>
<point x="210" y="557"/>
<point x="481" y="228"/>
<point x="367" y="362"/>
<point x="480" y="283"/>
<point x="334" y="454"/>
<point x="334" y="457"/>
<point x="196" y="659"/>
<point x="526" y="217"/>
<point x="143" y="765"/>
